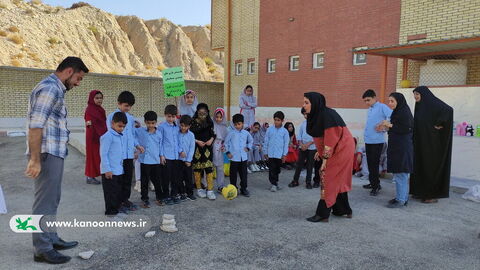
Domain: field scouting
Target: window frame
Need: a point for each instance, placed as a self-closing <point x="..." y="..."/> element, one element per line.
<point x="292" y="61"/>
<point x="355" y="55"/>
<point x="269" y="61"/>
<point x="249" y="71"/>
<point x="239" y="69"/>
<point x="315" y="62"/>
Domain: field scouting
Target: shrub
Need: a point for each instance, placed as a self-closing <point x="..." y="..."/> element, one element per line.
<point x="36" y="2"/>
<point x="17" y="2"/>
<point x="148" y="67"/>
<point x="114" y="72"/>
<point x="29" y="11"/>
<point x="79" y="5"/>
<point x="16" y="39"/>
<point x="16" y="63"/>
<point x="34" y="56"/>
<point x="212" y="69"/>
<point x="208" y="61"/>
<point x="93" y="29"/>
<point x="13" y="29"/>
<point x="18" y="56"/>
<point x="132" y="73"/>
<point x="3" y="33"/>
<point x="54" y="40"/>
<point x="161" y="67"/>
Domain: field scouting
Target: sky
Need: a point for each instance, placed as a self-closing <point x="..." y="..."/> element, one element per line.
<point x="183" y="12"/>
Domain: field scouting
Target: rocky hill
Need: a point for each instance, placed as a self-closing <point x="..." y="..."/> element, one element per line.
<point x="33" y="34"/>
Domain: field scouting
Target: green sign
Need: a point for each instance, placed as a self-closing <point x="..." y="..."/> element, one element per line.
<point x="173" y="82"/>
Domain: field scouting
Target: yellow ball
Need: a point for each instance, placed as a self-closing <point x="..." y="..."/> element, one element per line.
<point x="229" y="192"/>
<point x="405" y="84"/>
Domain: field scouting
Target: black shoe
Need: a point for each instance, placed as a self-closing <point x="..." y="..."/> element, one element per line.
<point x="317" y="219"/>
<point x="309" y="185"/>
<point x="316" y="185"/>
<point x="374" y="191"/>
<point x="62" y="245"/>
<point x="145" y="204"/>
<point x="191" y="197"/>
<point x="396" y="204"/>
<point x="169" y="201"/>
<point x="52" y="257"/>
<point x="245" y="193"/>
<point x="392" y="201"/>
<point x="176" y="200"/>
<point x="293" y="184"/>
<point x="183" y="197"/>
<point x="368" y="186"/>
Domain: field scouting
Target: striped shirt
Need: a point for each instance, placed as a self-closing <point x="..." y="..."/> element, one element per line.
<point x="47" y="111"/>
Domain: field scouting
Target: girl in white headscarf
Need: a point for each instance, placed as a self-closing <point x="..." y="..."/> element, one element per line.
<point x="248" y="103"/>
<point x="221" y="131"/>
<point x="188" y="103"/>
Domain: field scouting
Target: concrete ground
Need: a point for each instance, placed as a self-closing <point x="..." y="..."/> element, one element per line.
<point x="265" y="231"/>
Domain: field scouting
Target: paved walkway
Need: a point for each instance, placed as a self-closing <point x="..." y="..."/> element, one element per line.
<point x="266" y="231"/>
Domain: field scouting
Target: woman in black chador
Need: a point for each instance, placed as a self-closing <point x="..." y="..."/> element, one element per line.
<point x="432" y="141"/>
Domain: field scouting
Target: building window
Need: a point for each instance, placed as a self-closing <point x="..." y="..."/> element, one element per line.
<point x="238" y="69"/>
<point x="359" y="58"/>
<point x="251" y="67"/>
<point x="294" y="63"/>
<point x="318" y="60"/>
<point x="271" y="65"/>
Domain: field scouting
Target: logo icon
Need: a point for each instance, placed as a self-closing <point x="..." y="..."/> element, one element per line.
<point x="23" y="225"/>
<point x="26" y="223"/>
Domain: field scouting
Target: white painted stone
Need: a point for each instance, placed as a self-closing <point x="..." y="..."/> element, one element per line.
<point x="86" y="254"/>
<point x="150" y="234"/>
<point x="168" y="216"/>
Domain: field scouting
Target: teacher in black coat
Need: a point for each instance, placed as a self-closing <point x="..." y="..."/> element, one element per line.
<point x="432" y="144"/>
<point x="400" y="147"/>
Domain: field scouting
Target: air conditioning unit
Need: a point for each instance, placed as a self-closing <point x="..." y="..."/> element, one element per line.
<point x="443" y="72"/>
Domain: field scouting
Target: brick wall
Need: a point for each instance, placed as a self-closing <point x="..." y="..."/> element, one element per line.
<point x="440" y="19"/>
<point x="332" y="27"/>
<point x="219" y="23"/>
<point x="16" y="85"/>
<point x="245" y="34"/>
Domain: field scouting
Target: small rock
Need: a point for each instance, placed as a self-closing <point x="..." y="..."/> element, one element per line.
<point x="150" y="234"/>
<point x="169" y="222"/>
<point x="167" y="216"/>
<point x="86" y="254"/>
<point x="169" y="228"/>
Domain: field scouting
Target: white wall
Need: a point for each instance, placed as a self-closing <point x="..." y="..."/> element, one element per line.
<point x="465" y="102"/>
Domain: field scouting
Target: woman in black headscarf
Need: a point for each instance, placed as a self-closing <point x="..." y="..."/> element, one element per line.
<point x="432" y="144"/>
<point x="335" y="146"/>
<point x="202" y="128"/>
<point x="400" y="147"/>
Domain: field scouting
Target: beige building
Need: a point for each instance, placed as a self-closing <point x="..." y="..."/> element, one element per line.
<point x="235" y="30"/>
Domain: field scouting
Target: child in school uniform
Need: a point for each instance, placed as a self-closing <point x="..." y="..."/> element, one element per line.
<point x="237" y="145"/>
<point x="276" y="147"/>
<point x="187" y="143"/>
<point x="125" y="102"/>
<point x="111" y="164"/>
<point x="151" y="140"/>
<point x="248" y="103"/>
<point x="256" y="154"/>
<point x="188" y="103"/>
<point x="221" y="132"/>
<point x="169" y="156"/>
<point x="306" y="155"/>
<point x="292" y="155"/>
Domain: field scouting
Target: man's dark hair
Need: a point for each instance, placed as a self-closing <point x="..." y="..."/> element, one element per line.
<point x="237" y="118"/>
<point x="279" y="115"/>
<point x="150" y="116"/>
<point x="303" y="111"/>
<point x="369" y="93"/>
<point x="72" y="62"/>
<point x="126" y="97"/>
<point x="186" y="120"/>
<point x="171" y="109"/>
<point x="256" y="124"/>
<point x="119" y="117"/>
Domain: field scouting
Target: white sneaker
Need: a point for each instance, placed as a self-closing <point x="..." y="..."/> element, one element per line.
<point x="250" y="167"/>
<point x="201" y="193"/>
<point x="152" y="187"/>
<point x="248" y="170"/>
<point x="211" y="195"/>
<point x="279" y="187"/>
<point x="257" y="169"/>
<point x="138" y="186"/>
<point x="273" y="188"/>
